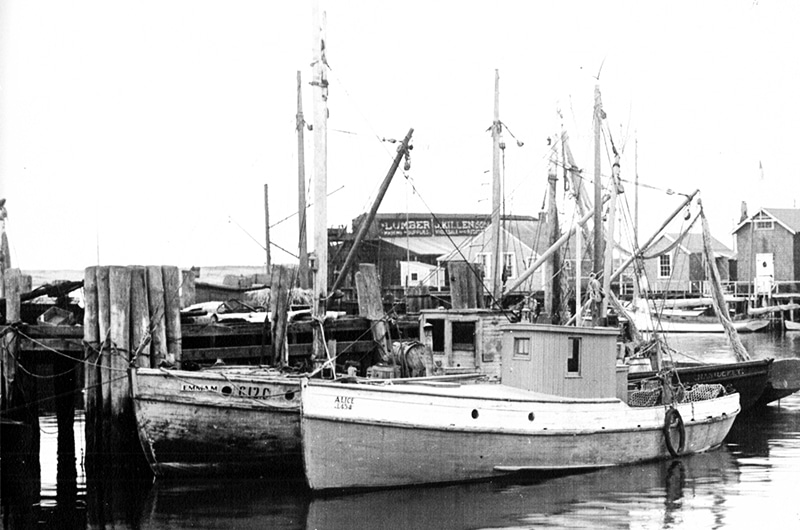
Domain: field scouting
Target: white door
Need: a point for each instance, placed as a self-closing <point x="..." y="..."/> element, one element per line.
<point x="765" y="273"/>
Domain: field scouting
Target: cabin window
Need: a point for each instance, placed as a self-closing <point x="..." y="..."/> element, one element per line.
<point x="485" y="260"/>
<point x="414" y="276"/>
<point x="464" y="336"/>
<point x="437" y="335"/>
<point x="574" y="356"/>
<point x="763" y="222"/>
<point x="665" y="266"/>
<point x="509" y="265"/>
<point x="522" y="347"/>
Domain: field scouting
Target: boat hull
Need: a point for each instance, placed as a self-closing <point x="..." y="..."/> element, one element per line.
<point x="678" y="324"/>
<point x="217" y="422"/>
<point x="784" y="380"/>
<point x="748" y="378"/>
<point x="389" y="437"/>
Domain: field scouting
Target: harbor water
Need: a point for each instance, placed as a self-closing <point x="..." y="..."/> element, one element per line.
<point x="748" y="482"/>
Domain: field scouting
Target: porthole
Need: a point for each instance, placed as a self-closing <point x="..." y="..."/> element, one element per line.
<point x="474" y="414"/>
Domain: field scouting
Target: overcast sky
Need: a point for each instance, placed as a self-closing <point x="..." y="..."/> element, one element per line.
<point x="143" y="132"/>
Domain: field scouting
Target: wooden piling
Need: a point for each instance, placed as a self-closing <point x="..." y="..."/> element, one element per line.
<point x="103" y="324"/>
<point x="370" y="306"/>
<point x="19" y="402"/>
<point x="155" y="301"/>
<point x="140" y="317"/>
<point x="172" y="312"/>
<point x="281" y="281"/>
<point x="188" y="289"/>
<point x="119" y="285"/>
<point x="91" y="372"/>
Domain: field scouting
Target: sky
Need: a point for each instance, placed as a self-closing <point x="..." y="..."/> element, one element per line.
<point x="144" y="132"/>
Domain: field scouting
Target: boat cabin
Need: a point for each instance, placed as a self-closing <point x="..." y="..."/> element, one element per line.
<point x="560" y="360"/>
<point x="563" y="360"/>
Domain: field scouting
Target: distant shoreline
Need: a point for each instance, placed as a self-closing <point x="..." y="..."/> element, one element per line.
<point x="211" y="274"/>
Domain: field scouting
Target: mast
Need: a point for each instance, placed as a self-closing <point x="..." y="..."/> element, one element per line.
<point x="402" y="151"/>
<point x="266" y="227"/>
<point x="301" y="188"/>
<point x="612" y="214"/>
<point x="552" y="295"/>
<point x="497" y="267"/>
<point x="320" y="84"/>
<point x="598" y="262"/>
<point x="636" y="293"/>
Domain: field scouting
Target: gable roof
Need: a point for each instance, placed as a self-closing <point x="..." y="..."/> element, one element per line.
<point x="519" y="235"/>
<point x="693" y="244"/>
<point x="789" y="218"/>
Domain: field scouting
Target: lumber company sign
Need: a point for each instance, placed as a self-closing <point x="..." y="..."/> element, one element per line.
<point x="430" y="226"/>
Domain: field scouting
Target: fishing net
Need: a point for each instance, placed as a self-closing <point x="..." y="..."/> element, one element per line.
<point x="703" y="392"/>
<point x="644" y="398"/>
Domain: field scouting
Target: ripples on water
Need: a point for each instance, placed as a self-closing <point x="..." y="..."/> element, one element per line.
<point x="747" y="483"/>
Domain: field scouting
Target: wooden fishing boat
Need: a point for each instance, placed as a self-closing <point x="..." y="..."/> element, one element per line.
<point x="748" y="378"/>
<point x="217" y="421"/>
<point x="562" y="406"/>
<point x="784" y="380"/>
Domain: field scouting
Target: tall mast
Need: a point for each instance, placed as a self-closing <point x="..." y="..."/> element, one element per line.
<point x="636" y="293"/>
<point x="608" y="269"/>
<point x="598" y="262"/>
<point x="497" y="195"/>
<point x="552" y="296"/>
<point x="320" y="84"/>
<point x="301" y="188"/>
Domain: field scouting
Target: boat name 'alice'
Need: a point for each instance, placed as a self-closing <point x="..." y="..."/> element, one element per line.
<point x="249" y="391"/>
<point x="342" y="402"/>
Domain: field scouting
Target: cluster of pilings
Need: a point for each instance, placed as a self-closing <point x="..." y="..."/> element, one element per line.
<point x="131" y="317"/>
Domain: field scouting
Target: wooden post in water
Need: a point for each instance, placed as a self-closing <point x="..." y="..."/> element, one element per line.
<point x="282" y="281"/>
<point x="19" y="402"/>
<point x="140" y="317"/>
<point x="155" y="301"/>
<point x="104" y="323"/>
<point x="172" y="284"/>
<point x="119" y="286"/>
<point x="93" y="398"/>
<point x="370" y="306"/>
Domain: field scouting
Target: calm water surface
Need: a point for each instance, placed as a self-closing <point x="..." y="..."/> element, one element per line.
<point x="748" y="483"/>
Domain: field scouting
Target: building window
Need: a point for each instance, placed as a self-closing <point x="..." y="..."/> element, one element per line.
<point x="522" y="347"/>
<point x="574" y="356"/>
<point x="665" y="266"/>
<point x="485" y="260"/>
<point x="509" y="265"/>
<point x="763" y="222"/>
